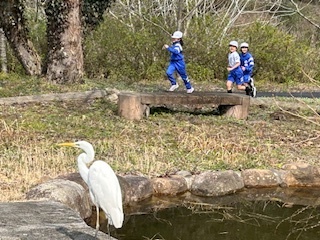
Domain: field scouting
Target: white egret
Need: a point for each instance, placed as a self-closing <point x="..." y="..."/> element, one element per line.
<point x="104" y="187"/>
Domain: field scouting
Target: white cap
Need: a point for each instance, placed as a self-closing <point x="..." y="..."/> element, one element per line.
<point x="233" y="43"/>
<point x="177" y="34"/>
<point x="244" y="44"/>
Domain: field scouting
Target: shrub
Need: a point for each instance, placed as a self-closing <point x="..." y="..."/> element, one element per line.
<point x="113" y="50"/>
<point x="132" y="52"/>
<point x="117" y="51"/>
<point x="279" y="56"/>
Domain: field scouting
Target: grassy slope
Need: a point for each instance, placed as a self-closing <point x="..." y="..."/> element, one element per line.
<point x="165" y="142"/>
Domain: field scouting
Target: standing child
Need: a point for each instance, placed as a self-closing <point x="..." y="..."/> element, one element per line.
<point x="177" y="63"/>
<point x="235" y="72"/>
<point x="247" y="64"/>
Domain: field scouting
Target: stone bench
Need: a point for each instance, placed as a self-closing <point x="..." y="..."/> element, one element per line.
<point x="45" y="220"/>
<point x="134" y="106"/>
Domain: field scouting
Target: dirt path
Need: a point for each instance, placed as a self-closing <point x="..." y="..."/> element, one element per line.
<point x="289" y="94"/>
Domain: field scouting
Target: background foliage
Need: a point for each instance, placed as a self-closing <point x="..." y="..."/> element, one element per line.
<point x="127" y="43"/>
<point x="130" y="55"/>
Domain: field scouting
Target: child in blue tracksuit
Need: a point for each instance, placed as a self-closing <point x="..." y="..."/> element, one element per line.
<point x="247" y="64"/>
<point x="177" y="63"/>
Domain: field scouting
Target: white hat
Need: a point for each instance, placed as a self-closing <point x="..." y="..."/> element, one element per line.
<point x="244" y="44"/>
<point x="234" y="43"/>
<point x="177" y="34"/>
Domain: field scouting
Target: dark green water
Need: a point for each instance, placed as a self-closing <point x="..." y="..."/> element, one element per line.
<point x="248" y="221"/>
<point x="265" y="214"/>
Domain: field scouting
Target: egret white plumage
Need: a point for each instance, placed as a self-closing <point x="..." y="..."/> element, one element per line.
<point x="103" y="184"/>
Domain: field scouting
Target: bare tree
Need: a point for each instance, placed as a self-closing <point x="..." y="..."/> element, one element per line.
<point x="3" y="52"/>
<point x="298" y="10"/>
<point x="65" y="18"/>
<point x="13" y="24"/>
<point x="178" y="14"/>
<point x="165" y="14"/>
<point x="64" y="33"/>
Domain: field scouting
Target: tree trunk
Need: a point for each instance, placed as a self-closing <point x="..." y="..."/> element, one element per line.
<point x="3" y="52"/>
<point x="179" y="14"/>
<point x="65" y="56"/>
<point x="15" y="30"/>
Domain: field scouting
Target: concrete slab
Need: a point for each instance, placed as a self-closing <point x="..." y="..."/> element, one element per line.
<point x="43" y="220"/>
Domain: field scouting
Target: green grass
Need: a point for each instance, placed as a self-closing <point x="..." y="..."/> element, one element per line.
<point x="167" y="141"/>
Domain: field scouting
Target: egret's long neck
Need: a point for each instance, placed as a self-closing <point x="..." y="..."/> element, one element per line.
<point x="83" y="159"/>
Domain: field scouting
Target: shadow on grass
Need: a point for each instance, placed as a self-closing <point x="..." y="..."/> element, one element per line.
<point x="194" y="111"/>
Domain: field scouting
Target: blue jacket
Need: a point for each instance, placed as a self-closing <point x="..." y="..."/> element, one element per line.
<point x="247" y="62"/>
<point x="176" y="52"/>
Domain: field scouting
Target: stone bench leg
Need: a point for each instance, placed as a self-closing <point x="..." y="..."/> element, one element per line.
<point x="130" y="107"/>
<point x="236" y="111"/>
<point x="147" y="110"/>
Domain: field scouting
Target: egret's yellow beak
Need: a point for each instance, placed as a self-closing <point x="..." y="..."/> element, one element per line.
<point x="67" y="144"/>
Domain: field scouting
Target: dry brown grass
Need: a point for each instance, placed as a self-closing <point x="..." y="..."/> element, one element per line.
<point x="163" y="143"/>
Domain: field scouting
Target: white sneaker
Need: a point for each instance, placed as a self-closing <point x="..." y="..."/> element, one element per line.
<point x="251" y="82"/>
<point x="254" y="92"/>
<point x="173" y="87"/>
<point x="190" y="90"/>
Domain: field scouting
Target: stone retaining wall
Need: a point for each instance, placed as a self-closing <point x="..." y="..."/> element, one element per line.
<point x="72" y="191"/>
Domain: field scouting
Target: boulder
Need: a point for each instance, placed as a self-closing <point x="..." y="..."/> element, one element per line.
<point x="187" y="176"/>
<point x="216" y="183"/>
<point x="67" y="192"/>
<point x="124" y="185"/>
<point x="300" y="174"/>
<point x="45" y="220"/>
<point x="171" y="185"/>
<point x="260" y="178"/>
<point x="137" y="188"/>
<point x="75" y="177"/>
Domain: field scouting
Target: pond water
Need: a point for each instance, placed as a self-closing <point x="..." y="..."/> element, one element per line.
<point x="251" y="215"/>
